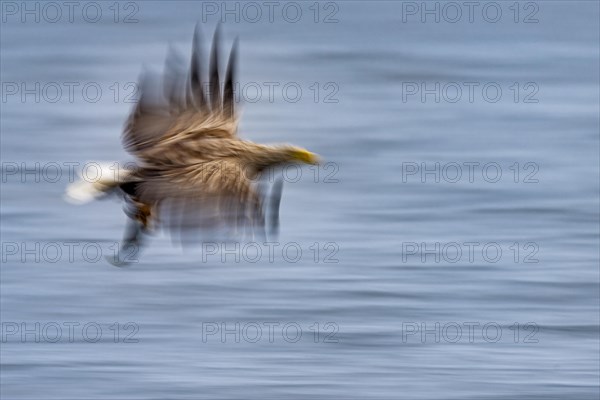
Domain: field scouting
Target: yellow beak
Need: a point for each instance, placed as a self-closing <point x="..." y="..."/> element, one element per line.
<point x="307" y="157"/>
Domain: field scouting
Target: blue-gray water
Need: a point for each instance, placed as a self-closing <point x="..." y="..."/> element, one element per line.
<point x="378" y="225"/>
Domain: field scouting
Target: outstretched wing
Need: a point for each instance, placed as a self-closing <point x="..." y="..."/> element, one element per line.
<point x="217" y="196"/>
<point x="166" y="124"/>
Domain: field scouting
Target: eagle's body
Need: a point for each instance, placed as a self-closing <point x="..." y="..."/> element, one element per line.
<point x="191" y="165"/>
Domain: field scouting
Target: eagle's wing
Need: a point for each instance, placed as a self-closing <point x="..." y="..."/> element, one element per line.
<point x="216" y="197"/>
<point x="164" y="124"/>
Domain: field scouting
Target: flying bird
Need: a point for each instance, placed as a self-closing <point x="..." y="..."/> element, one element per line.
<point x="193" y="174"/>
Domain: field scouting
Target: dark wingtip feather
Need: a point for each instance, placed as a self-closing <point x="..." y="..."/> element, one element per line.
<point x="196" y="94"/>
<point x="228" y="98"/>
<point x="215" y="92"/>
<point x="174" y="79"/>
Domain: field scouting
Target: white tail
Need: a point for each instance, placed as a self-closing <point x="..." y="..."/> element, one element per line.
<point x="91" y="188"/>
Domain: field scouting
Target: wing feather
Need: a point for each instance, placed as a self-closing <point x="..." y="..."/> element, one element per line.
<point x="216" y="196"/>
<point x="215" y="90"/>
<point x="197" y="97"/>
<point x="183" y="113"/>
<point x="228" y="91"/>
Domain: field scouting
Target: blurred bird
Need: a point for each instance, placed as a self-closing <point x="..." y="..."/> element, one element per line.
<point x="191" y="165"/>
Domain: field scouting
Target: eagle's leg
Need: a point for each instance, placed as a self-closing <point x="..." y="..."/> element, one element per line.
<point x="274" y="202"/>
<point x="138" y="225"/>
